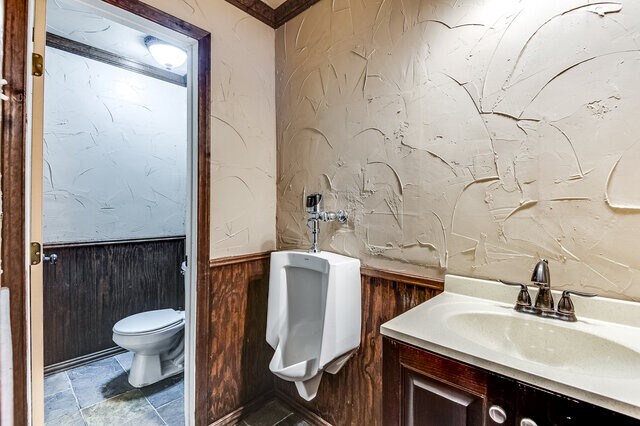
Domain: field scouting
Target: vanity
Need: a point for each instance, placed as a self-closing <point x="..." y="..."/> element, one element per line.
<point x="466" y="357"/>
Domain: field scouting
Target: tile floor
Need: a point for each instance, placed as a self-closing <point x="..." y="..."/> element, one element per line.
<point x="273" y="413"/>
<point x="99" y="394"/>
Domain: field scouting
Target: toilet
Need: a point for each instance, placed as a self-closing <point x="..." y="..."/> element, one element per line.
<point x="313" y="317"/>
<point x="156" y="339"/>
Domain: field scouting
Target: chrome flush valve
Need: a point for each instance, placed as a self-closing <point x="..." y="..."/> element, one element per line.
<point x="314" y="209"/>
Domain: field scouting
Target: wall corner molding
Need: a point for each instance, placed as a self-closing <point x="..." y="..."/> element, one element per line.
<point x="273" y="17"/>
<point x="256" y="8"/>
<point x="290" y="9"/>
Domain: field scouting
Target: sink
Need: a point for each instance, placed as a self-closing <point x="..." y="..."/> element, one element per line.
<point x="547" y="343"/>
<point x="595" y="359"/>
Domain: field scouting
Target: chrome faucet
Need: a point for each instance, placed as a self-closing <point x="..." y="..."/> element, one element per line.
<point x="544" y="306"/>
<point x="314" y="209"/>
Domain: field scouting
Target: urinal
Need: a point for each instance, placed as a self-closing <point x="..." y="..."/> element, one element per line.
<point x="313" y="317"/>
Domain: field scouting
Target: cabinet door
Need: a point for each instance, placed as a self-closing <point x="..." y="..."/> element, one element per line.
<point x="430" y="402"/>
<point x="547" y="408"/>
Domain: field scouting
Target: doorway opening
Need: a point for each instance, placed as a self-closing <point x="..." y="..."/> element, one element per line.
<point x="120" y="201"/>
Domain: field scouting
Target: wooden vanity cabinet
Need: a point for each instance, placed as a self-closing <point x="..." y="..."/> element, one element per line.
<point x="425" y="389"/>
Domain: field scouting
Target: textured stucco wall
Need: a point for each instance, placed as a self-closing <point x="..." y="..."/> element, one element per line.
<point x="243" y="126"/>
<point x="473" y="137"/>
<point x="115" y="153"/>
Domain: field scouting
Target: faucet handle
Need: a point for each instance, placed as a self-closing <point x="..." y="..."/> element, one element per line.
<point x="524" y="299"/>
<point x="566" y="310"/>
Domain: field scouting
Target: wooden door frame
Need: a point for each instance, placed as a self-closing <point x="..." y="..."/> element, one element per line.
<point x="13" y="150"/>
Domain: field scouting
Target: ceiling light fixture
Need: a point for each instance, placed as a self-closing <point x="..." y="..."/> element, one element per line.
<point x="167" y="55"/>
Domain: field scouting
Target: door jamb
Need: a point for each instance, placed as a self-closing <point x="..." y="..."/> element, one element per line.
<point x="14" y="234"/>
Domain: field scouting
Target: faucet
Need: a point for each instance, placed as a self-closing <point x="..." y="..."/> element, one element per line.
<point x="542" y="278"/>
<point x="544" y="306"/>
<point x="314" y="209"/>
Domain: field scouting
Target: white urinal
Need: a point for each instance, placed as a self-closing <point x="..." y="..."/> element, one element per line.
<point x="314" y="315"/>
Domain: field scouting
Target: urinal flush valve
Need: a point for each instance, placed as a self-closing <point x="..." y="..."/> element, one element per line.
<point x="316" y="214"/>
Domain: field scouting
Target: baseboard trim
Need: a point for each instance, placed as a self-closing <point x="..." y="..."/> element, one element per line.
<point x="301" y="410"/>
<point x="232" y="260"/>
<point x="81" y="360"/>
<point x="254" y="405"/>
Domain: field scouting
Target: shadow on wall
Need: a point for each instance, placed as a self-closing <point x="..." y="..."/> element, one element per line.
<point x="255" y="330"/>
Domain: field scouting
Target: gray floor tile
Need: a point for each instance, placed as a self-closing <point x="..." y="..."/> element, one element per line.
<point x="293" y="420"/>
<point x="70" y="419"/>
<point x="173" y="413"/>
<point x="98" y="381"/>
<point x="165" y="391"/>
<point x="272" y="413"/>
<point x="130" y="408"/>
<point x="55" y="383"/>
<point x="125" y="360"/>
<point x="62" y="409"/>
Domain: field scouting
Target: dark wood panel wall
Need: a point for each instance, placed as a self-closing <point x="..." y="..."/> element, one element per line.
<point x="92" y="286"/>
<point x="239" y="355"/>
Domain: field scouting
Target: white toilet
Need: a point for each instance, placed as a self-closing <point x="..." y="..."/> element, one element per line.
<point x="156" y="339"/>
<point x="314" y="315"/>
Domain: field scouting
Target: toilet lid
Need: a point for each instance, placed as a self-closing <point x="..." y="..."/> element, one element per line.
<point x="146" y="322"/>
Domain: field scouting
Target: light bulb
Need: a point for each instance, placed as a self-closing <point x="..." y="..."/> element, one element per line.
<point x="167" y="55"/>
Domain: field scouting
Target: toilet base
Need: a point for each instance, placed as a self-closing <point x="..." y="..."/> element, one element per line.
<point x="150" y="369"/>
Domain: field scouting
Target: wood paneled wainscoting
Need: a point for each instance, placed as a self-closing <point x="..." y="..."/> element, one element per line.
<point x="93" y="285"/>
<point x="239" y="379"/>
<point x="238" y="376"/>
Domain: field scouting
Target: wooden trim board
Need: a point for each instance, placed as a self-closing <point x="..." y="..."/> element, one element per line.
<point x="233" y="417"/>
<point x="82" y="360"/>
<point x="256" y="8"/>
<point x="418" y="280"/>
<point x="232" y="260"/>
<point x="14" y="193"/>
<point x="114" y="242"/>
<point x="302" y="411"/>
<point x="290" y="9"/>
<point x="106" y="57"/>
<point x="273" y="17"/>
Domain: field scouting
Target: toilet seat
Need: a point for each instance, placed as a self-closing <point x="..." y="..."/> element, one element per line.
<point x="148" y="322"/>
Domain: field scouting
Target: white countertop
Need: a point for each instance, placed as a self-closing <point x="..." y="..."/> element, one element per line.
<point x="595" y="377"/>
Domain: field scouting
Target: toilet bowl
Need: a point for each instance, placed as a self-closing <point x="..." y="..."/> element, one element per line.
<point x="156" y="339"/>
<point x="313" y="317"/>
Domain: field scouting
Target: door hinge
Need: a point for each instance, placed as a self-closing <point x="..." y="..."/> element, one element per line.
<point x="37" y="64"/>
<point x="35" y="253"/>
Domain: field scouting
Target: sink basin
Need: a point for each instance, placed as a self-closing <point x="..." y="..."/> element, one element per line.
<point x="545" y="342"/>
<point x="595" y="359"/>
